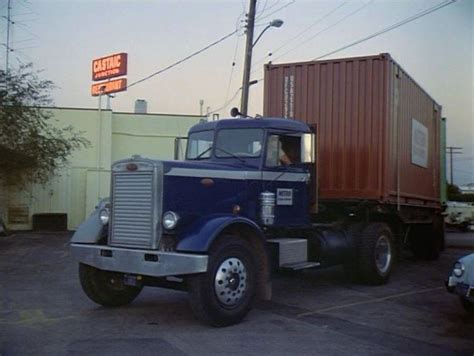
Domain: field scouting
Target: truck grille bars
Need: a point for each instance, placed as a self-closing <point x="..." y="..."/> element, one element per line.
<point x="136" y="206"/>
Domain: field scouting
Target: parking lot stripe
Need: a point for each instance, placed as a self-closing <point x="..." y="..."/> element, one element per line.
<point x="376" y="300"/>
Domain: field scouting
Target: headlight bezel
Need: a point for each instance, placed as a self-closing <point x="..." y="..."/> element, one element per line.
<point x="104" y="216"/>
<point x="458" y="269"/>
<point x="170" y="220"/>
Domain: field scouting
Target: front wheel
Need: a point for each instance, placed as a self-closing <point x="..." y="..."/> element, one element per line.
<point x="224" y="295"/>
<point x="106" y="288"/>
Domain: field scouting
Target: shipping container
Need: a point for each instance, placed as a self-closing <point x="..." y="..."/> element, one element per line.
<point x="378" y="131"/>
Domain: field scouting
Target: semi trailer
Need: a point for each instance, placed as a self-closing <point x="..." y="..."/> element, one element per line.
<point x="333" y="174"/>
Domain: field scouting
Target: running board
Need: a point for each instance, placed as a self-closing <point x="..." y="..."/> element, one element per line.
<point x="300" y="266"/>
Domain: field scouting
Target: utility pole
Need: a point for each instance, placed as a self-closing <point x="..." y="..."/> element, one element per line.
<point x="7" y="46"/>
<point x="244" y="103"/>
<point x="452" y="151"/>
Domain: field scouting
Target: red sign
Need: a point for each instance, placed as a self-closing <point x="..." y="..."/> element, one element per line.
<point x="108" y="67"/>
<point x="113" y="86"/>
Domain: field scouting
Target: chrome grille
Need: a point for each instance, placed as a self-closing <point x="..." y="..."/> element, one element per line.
<point x="133" y="211"/>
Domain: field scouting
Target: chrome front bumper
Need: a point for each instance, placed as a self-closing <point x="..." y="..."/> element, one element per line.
<point x="143" y="262"/>
<point x="454" y="286"/>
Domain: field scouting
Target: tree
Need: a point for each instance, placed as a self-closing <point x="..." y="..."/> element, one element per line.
<point x="455" y="194"/>
<point x="31" y="147"/>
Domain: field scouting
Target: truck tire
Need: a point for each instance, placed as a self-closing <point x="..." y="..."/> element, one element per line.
<point x="224" y="295"/>
<point x="467" y="305"/>
<point x="427" y="240"/>
<point x="375" y="254"/>
<point x="106" y="288"/>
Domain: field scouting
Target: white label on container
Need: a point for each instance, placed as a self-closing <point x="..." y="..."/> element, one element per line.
<point x="419" y="144"/>
<point x="284" y="196"/>
<point x="288" y="96"/>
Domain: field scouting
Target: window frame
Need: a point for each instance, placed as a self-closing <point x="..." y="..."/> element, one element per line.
<point x="187" y="158"/>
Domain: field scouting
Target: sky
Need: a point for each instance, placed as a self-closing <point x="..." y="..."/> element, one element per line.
<point x="62" y="37"/>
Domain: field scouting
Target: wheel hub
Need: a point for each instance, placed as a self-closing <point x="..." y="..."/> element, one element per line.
<point x="230" y="282"/>
<point x="383" y="254"/>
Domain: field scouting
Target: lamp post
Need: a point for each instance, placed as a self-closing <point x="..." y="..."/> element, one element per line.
<point x="248" y="54"/>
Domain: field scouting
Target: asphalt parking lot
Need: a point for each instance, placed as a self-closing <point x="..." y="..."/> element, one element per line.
<point x="44" y="311"/>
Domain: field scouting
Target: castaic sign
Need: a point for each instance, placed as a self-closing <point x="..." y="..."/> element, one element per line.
<point x="106" y="68"/>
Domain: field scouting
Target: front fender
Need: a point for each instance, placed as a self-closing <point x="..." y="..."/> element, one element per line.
<point x="200" y="235"/>
<point x="90" y="231"/>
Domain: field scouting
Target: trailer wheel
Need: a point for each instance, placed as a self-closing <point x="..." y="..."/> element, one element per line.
<point x="375" y="254"/>
<point x="467" y="305"/>
<point x="224" y="295"/>
<point x="106" y="288"/>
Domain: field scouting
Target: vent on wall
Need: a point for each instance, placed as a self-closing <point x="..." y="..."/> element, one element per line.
<point x="18" y="215"/>
<point x="141" y="106"/>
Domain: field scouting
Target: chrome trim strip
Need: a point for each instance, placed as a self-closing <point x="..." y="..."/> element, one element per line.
<point x="239" y="175"/>
<point x="133" y="261"/>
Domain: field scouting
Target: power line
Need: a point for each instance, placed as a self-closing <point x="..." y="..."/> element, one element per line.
<point x="277" y="10"/>
<point x="391" y="27"/>
<point x="469" y="158"/>
<point x="302" y="32"/>
<point x="260" y="12"/>
<point x="227" y="102"/>
<point x="232" y="70"/>
<point x="463" y="171"/>
<point x="184" y="59"/>
<point x="270" y="7"/>
<point x="352" y="13"/>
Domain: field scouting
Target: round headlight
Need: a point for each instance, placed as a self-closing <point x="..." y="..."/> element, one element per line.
<point x="458" y="269"/>
<point x="170" y="220"/>
<point x="104" y="216"/>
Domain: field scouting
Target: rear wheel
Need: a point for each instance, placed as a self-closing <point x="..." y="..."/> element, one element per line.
<point x="224" y="295"/>
<point x="106" y="288"/>
<point x="375" y="254"/>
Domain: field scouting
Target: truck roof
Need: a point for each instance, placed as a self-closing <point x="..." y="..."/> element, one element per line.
<point x="267" y="122"/>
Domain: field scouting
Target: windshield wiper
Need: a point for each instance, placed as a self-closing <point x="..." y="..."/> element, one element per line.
<point x="202" y="153"/>
<point x="231" y="154"/>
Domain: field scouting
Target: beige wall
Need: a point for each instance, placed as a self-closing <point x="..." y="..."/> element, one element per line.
<point x="78" y="187"/>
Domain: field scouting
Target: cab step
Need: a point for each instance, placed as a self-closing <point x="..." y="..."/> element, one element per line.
<point x="300" y="266"/>
<point x="290" y="253"/>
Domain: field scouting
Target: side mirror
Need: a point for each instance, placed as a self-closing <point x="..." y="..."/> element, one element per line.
<point x="234" y="112"/>
<point x="308" y="144"/>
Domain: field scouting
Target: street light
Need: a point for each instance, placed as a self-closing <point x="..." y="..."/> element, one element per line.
<point x="248" y="55"/>
<point x="275" y="23"/>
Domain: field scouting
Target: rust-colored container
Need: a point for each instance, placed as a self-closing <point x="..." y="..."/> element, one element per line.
<point x="378" y="130"/>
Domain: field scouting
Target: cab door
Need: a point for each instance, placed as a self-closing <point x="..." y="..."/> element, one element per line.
<point x="287" y="176"/>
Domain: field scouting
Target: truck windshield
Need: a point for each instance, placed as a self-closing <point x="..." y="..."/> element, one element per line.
<point x="239" y="143"/>
<point x="200" y="145"/>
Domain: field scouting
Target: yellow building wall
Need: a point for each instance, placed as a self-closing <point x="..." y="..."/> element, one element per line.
<point x="77" y="188"/>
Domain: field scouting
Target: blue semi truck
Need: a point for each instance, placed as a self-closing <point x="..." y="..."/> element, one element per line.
<point x="216" y="224"/>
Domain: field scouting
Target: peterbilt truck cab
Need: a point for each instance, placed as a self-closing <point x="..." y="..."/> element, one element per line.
<point x="241" y="205"/>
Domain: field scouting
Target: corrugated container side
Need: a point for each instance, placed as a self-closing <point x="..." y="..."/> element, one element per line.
<point x="411" y="178"/>
<point x="363" y="115"/>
